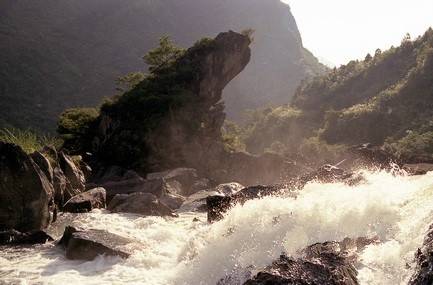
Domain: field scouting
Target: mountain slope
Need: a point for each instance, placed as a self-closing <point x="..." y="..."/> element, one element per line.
<point x="57" y="53"/>
<point x="386" y="100"/>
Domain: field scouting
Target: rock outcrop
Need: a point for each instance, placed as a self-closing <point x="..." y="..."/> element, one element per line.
<point x="86" y="201"/>
<point x="25" y="192"/>
<point x="88" y="244"/>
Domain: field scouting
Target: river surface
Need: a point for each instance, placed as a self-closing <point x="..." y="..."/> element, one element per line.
<point x="396" y="208"/>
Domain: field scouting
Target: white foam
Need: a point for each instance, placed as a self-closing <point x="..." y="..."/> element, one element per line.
<point x="180" y="251"/>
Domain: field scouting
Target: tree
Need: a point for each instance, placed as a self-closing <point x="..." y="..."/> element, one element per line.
<point x="129" y="81"/>
<point x="162" y="55"/>
<point x="368" y="58"/>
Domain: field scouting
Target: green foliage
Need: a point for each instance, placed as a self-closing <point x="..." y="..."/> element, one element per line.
<point x="414" y="144"/>
<point x="233" y="137"/>
<point x="129" y="81"/>
<point x="28" y="140"/>
<point x="315" y="149"/>
<point x="75" y="126"/>
<point x="163" y="55"/>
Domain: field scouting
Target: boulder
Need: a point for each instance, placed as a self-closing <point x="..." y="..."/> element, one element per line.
<point x="88" y="244"/>
<point x="219" y="204"/>
<point x="323" y="263"/>
<point x="185" y="180"/>
<point x="13" y="237"/>
<point x="86" y="201"/>
<point x="133" y="185"/>
<point x="25" y="192"/>
<point x="139" y="203"/>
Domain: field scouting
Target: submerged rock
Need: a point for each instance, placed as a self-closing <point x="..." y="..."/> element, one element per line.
<point x="323" y="263"/>
<point x="139" y="203"/>
<point x="88" y="244"/>
<point x="25" y="192"/>
<point x="13" y="237"/>
<point x="86" y="201"/>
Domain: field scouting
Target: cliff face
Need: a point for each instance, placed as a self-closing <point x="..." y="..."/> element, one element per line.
<point x="173" y="117"/>
<point x="58" y="54"/>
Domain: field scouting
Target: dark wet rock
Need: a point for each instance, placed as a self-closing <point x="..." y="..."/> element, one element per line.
<point x="88" y="244"/>
<point x="13" y="237"/>
<point x="219" y="204"/>
<point x="418" y="168"/>
<point x="25" y="192"/>
<point x="139" y="203"/>
<point x="324" y="264"/>
<point x="327" y="174"/>
<point x="197" y="201"/>
<point x="86" y="201"/>
<point x="72" y="173"/>
<point x="423" y="273"/>
<point x="373" y="156"/>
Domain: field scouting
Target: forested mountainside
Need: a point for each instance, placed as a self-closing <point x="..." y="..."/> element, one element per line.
<point x="386" y="99"/>
<point x="57" y="54"/>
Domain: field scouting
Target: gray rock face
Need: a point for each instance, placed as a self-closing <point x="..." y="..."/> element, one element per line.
<point x="86" y="201"/>
<point x="139" y="203"/>
<point x="44" y="164"/>
<point x="25" y="192"/>
<point x="324" y="264"/>
<point x="88" y="244"/>
<point x="182" y="179"/>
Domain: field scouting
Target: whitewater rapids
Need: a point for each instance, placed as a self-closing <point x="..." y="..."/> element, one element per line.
<point x="397" y="209"/>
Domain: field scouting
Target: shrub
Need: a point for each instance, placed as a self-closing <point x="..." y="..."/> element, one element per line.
<point x="28" y="140"/>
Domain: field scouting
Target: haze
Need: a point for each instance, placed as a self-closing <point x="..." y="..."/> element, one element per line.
<point x="339" y="31"/>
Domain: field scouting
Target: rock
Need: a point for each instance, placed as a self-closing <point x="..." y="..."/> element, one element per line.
<point x="72" y="173"/>
<point x="44" y="164"/>
<point x="173" y="201"/>
<point x="133" y="185"/>
<point x="88" y="244"/>
<point x="423" y="273"/>
<point x="374" y="156"/>
<point x="418" y="168"/>
<point x="139" y="203"/>
<point x="183" y="179"/>
<point x="324" y="264"/>
<point x="229" y="188"/>
<point x="327" y="174"/>
<point x="86" y="201"/>
<point x="219" y="204"/>
<point x="13" y="237"/>
<point x="25" y="192"/>
<point x="61" y="186"/>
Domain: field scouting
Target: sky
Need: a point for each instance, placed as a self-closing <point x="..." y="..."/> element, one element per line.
<point x="338" y="31"/>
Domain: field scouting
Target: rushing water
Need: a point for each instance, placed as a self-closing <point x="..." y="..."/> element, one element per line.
<point x="397" y="209"/>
